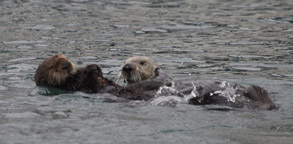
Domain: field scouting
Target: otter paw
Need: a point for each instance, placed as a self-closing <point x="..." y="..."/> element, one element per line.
<point x="94" y="70"/>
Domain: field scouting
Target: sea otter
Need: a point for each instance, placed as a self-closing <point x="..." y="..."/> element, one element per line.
<point x="57" y="71"/>
<point x="143" y="73"/>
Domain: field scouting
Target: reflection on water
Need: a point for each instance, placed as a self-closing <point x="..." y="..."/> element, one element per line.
<point x="248" y="42"/>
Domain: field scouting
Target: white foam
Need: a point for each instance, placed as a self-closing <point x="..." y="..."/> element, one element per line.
<point x="192" y="94"/>
<point x="167" y="90"/>
<point x="167" y="95"/>
<point x="229" y="91"/>
<point x="167" y="100"/>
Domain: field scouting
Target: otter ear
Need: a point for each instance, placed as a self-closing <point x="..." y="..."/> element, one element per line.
<point x="157" y="71"/>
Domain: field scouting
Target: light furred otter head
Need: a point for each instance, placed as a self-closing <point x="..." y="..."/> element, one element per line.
<point x="139" y="68"/>
<point x="54" y="71"/>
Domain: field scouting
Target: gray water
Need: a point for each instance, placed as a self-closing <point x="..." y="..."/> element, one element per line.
<point x="248" y="42"/>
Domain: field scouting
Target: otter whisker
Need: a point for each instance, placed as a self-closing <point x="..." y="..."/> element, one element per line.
<point x="137" y="74"/>
<point x="73" y="71"/>
<point x="118" y="77"/>
<point x="52" y="81"/>
<point x="136" y="77"/>
<point x="57" y="78"/>
<point x="139" y="78"/>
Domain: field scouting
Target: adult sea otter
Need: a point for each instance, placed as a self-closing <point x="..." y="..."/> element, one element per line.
<point x="143" y="73"/>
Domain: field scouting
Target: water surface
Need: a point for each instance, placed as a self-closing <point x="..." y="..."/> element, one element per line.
<point x="248" y="42"/>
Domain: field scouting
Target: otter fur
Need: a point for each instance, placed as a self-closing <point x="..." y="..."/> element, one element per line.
<point x="144" y="74"/>
<point x="54" y="71"/>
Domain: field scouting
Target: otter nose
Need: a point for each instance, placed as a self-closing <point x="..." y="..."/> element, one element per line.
<point x="128" y="68"/>
<point x="66" y="65"/>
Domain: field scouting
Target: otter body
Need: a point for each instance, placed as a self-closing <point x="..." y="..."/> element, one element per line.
<point x="219" y="92"/>
<point x="203" y="92"/>
<point x="57" y="71"/>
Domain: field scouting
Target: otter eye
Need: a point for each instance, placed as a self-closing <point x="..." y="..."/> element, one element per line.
<point x="142" y="63"/>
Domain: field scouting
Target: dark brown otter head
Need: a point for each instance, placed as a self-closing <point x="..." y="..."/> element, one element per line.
<point x="88" y="79"/>
<point x="54" y="71"/>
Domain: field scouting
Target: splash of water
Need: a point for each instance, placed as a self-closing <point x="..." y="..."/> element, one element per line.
<point x="229" y="91"/>
<point x="192" y="94"/>
<point x="169" y="95"/>
<point x="117" y="78"/>
<point x="167" y="90"/>
<point x="167" y="101"/>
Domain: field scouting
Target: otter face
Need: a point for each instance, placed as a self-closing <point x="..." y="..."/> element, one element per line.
<point x="54" y="71"/>
<point x="139" y="68"/>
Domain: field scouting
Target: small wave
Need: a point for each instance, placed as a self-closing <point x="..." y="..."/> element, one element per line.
<point x="168" y="101"/>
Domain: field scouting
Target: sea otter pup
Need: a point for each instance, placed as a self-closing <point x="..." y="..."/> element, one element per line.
<point x="57" y="71"/>
<point x="144" y="74"/>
